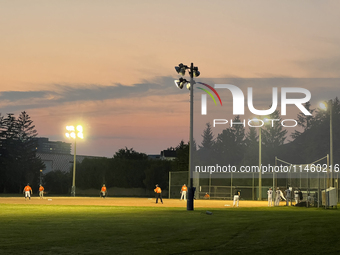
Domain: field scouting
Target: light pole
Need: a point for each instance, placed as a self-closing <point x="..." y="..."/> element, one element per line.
<point x="260" y="154"/>
<point x="260" y="163"/>
<point x="324" y="106"/>
<point x="193" y="72"/>
<point x="74" y="133"/>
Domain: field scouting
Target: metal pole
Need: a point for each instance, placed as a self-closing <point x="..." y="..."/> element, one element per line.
<point x="331" y="140"/>
<point x="253" y="188"/>
<point x="327" y="173"/>
<point x="40" y="177"/>
<point x="260" y="173"/>
<point x="190" y="201"/>
<point x="274" y="175"/>
<point x="73" y="191"/>
<point x="210" y="186"/>
<point x="169" y="183"/>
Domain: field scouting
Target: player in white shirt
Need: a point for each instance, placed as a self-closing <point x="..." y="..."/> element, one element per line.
<point x="278" y="196"/>
<point x="270" y="197"/>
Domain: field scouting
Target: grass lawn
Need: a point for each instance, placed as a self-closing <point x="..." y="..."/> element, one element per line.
<point x="52" y="229"/>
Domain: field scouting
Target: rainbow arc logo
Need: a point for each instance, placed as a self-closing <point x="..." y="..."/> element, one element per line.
<point x="204" y="97"/>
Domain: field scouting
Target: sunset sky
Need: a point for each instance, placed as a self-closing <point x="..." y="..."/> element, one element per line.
<point x="109" y="65"/>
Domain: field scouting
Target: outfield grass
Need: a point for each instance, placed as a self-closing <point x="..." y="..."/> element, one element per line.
<point x="51" y="229"/>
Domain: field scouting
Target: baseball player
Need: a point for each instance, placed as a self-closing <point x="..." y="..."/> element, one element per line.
<point x="296" y="196"/>
<point x="41" y="192"/>
<point x="184" y="192"/>
<point x="237" y="197"/>
<point x="27" y="191"/>
<point x="158" y="192"/>
<point x="270" y="197"/>
<point x="278" y="196"/>
<point x="103" y="191"/>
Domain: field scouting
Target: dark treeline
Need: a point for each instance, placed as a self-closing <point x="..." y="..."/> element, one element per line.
<point x="236" y="146"/>
<point x="126" y="169"/>
<point x="18" y="162"/>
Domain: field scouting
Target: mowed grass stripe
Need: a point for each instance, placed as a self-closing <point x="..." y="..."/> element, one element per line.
<point x="55" y="229"/>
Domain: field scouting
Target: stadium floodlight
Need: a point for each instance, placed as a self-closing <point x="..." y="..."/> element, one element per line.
<point x="74" y="133"/>
<point x="180" y="69"/>
<point x="324" y="106"/>
<point x="193" y="72"/>
<point x="180" y="83"/>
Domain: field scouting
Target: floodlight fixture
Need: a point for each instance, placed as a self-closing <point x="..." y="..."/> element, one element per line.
<point x="181" y="69"/>
<point x="323" y="106"/>
<point x="181" y="82"/>
<point x="195" y="72"/>
<point x="80" y="128"/>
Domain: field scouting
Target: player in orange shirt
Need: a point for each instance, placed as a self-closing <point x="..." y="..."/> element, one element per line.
<point x="206" y="196"/>
<point x="158" y="192"/>
<point x="103" y="192"/>
<point x="41" y="191"/>
<point x="184" y="192"/>
<point x="27" y="191"/>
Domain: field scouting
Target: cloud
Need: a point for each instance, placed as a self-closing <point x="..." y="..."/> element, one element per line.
<point x="60" y="94"/>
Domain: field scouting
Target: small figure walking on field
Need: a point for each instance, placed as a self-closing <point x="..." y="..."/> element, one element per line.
<point x="184" y="192"/>
<point x="41" y="192"/>
<point x="270" y="197"/>
<point x="237" y="197"/>
<point x="103" y="191"/>
<point x="27" y="191"/>
<point x="158" y="192"/>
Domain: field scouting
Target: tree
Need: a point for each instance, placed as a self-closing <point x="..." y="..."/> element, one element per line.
<point x="273" y="136"/>
<point x="252" y="147"/>
<point x="129" y="154"/>
<point x="304" y="121"/>
<point x="208" y="138"/>
<point x="19" y="163"/>
<point x="230" y="144"/>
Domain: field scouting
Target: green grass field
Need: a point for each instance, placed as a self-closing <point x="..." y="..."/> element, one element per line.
<point x="51" y="229"/>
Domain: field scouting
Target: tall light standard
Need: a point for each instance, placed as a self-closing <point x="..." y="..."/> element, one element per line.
<point x="193" y="72"/>
<point x="260" y="154"/>
<point x="324" y="106"/>
<point x="74" y="133"/>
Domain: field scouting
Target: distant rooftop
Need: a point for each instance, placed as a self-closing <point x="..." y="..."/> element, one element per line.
<point x="46" y="146"/>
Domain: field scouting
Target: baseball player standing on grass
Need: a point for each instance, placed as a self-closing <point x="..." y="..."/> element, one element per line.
<point x="27" y="191"/>
<point x="277" y="197"/>
<point x="41" y="192"/>
<point x="296" y="196"/>
<point x="237" y="197"/>
<point x="184" y="192"/>
<point x="158" y="192"/>
<point x="103" y="191"/>
<point x="270" y="197"/>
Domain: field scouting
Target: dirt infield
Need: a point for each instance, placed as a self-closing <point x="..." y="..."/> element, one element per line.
<point x="119" y="201"/>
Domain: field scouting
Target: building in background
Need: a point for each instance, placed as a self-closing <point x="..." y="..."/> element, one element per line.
<point x="56" y="155"/>
<point x="168" y="154"/>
